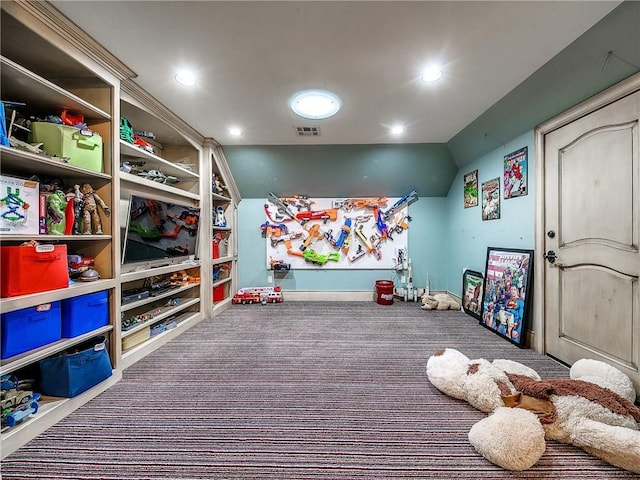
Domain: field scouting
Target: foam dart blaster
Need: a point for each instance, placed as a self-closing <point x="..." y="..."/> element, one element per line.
<point x="347" y="243"/>
<point x="282" y="207"/>
<point x="359" y="203"/>
<point x="324" y="215"/>
<point x="382" y="227"/>
<point x="400" y="223"/>
<point x="363" y="238"/>
<point x="360" y="252"/>
<point x="314" y="232"/>
<point x="409" y="198"/>
<point x="298" y="201"/>
<point x="345" y="229"/>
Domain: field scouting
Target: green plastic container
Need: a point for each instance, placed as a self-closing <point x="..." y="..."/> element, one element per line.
<point x="81" y="148"/>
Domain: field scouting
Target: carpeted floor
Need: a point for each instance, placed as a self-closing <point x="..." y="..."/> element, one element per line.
<point x="298" y="390"/>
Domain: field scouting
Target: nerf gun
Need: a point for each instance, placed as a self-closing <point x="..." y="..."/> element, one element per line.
<point x="409" y="198"/>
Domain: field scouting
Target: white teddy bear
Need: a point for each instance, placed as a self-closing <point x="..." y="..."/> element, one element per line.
<point x="439" y="301"/>
<point x="593" y="409"/>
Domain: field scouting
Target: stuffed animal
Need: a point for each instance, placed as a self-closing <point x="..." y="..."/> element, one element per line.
<point x="439" y="301"/>
<point x="593" y="409"/>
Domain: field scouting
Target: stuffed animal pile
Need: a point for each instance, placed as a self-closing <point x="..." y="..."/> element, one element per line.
<point x="439" y="301"/>
<point x="593" y="410"/>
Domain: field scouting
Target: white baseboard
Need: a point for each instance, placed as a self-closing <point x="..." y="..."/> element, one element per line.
<point x="337" y="296"/>
<point x="328" y="296"/>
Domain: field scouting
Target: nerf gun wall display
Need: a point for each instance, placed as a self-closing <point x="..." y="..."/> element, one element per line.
<point x="335" y="233"/>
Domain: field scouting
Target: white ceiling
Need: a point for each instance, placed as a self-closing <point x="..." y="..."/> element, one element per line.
<point x="251" y="57"/>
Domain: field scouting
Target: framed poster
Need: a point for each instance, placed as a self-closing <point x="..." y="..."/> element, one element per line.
<point x="515" y="174"/>
<point x="491" y="199"/>
<point x="507" y="292"/>
<point x="471" y="189"/>
<point x="472" y="285"/>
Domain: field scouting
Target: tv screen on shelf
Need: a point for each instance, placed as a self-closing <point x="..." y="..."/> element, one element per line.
<point x="159" y="232"/>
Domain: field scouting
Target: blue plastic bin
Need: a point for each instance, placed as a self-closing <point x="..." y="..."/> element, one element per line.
<point x="84" y="313"/>
<point x="29" y="328"/>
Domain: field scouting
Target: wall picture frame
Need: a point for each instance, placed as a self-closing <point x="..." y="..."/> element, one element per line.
<point x="491" y="199"/>
<point x="471" y="189"/>
<point x="472" y="288"/>
<point x="506" y="304"/>
<point x="515" y="174"/>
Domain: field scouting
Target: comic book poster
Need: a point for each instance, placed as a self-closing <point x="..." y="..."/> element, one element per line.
<point x="471" y="189"/>
<point x="515" y="174"/>
<point x="472" y="284"/>
<point x="491" y="199"/>
<point x="507" y="288"/>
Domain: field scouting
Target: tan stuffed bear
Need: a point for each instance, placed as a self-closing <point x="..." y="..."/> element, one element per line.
<point x="525" y="410"/>
<point x="439" y="301"/>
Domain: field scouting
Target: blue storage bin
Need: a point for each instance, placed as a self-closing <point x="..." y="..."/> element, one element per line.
<point x="84" y="313"/>
<point x="29" y="328"/>
<point x="71" y="373"/>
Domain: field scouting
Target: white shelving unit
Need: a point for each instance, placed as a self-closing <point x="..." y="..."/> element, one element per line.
<point x="223" y="230"/>
<point x="47" y="73"/>
<point x="49" y="64"/>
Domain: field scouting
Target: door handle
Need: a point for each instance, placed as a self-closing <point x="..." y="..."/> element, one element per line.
<point x="550" y="256"/>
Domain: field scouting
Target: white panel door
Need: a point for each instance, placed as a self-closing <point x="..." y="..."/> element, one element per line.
<point x="591" y="227"/>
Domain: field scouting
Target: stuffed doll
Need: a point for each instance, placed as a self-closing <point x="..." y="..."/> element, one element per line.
<point x="593" y="409"/>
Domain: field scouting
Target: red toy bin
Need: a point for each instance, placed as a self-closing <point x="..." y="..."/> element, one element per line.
<point x="32" y="269"/>
<point x="218" y="293"/>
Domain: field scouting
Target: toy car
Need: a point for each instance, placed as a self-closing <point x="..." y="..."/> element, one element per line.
<point x="244" y="298"/>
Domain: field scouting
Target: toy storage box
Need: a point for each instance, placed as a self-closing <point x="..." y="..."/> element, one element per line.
<point x="77" y="370"/>
<point x="29" y="328"/>
<point x="82" y="148"/>
<point x="19" y="208"/>
<point x="32" y="269"/>
<point x="84" y="313"/>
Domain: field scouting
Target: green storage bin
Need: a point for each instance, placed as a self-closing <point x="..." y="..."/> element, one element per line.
<point x="82" y="148"/>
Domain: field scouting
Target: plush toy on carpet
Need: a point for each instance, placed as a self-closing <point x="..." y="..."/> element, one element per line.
<point x="439" y="301"/>
<point x="593" y="409"/>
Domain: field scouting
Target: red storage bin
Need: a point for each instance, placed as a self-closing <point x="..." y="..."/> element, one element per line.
<point x="218" y="293"/>
<point x="33" y="269"/>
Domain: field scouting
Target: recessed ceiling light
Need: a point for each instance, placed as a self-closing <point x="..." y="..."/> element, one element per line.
<point x="185" y="77"/>
<point x="235" y="131"/>
<point x="397" y="130"/>
<point x="431" y="74"/>
<point x="315" y="104"/>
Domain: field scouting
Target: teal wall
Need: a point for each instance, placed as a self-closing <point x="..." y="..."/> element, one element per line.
<point x="334" y="171"/>
<point x="467" y="235"/>
<point x="444" y="237"/>
<point x="426" y="239"/>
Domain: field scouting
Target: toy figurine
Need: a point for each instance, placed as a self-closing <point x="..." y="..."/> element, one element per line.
<point x="218" y="186"/>
<point x="56" y="203"/>
<point x="74" y="211"/>
<point x="91" y="223"/>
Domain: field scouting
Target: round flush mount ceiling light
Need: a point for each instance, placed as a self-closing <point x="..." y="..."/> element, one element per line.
<point x="431" y="74"/>
<point x="235" y="131"/>
<point x="397" y="130"/>
<point x="185" y="77"/>
<point x="315" y="104"/>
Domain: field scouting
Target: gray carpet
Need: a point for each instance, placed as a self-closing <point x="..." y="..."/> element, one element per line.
<point x="296" y="390"/>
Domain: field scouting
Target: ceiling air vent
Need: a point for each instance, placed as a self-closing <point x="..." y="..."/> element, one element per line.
<point x="308" y="131"/>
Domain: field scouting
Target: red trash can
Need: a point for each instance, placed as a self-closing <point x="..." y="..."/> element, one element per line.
<point x="384" y="292"/>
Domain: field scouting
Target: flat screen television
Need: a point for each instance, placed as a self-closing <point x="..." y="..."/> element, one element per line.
<point x="159" y="232"/>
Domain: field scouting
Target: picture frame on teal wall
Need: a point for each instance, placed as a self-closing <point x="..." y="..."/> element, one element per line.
<point x="472" y="287"/>
<point x="471" y="189"/>
<point x="508" y="280"/>
<point x="515" y="174"/>
<point x="491" y="199"/>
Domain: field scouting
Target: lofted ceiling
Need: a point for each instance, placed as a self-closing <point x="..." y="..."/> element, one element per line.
<point x="251" y="57"/>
